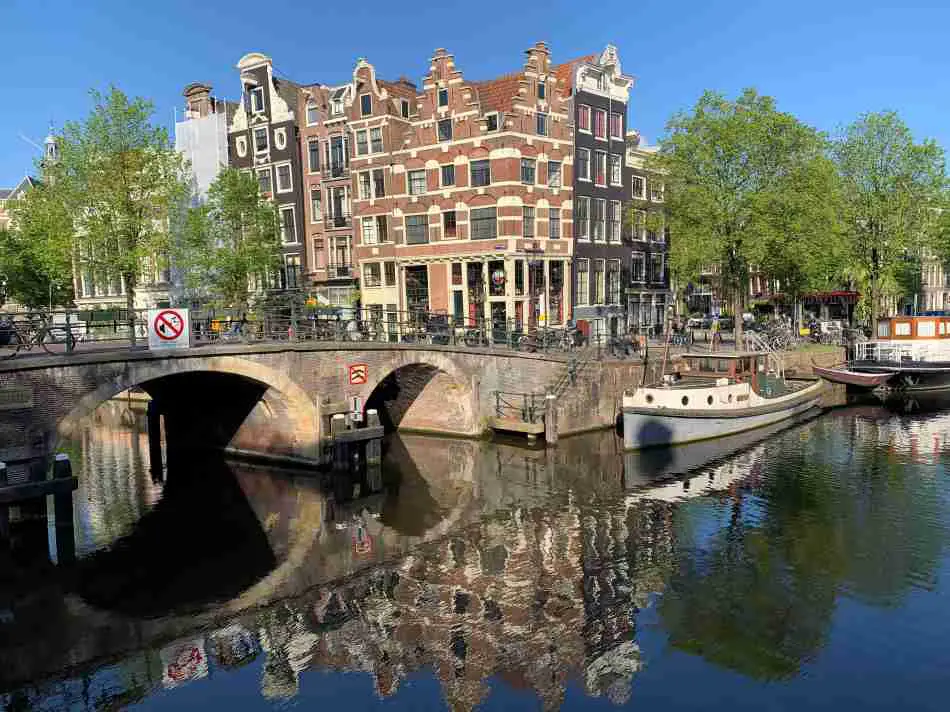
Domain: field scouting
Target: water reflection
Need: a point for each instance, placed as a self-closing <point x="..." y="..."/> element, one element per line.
<point x="488" y="568"/>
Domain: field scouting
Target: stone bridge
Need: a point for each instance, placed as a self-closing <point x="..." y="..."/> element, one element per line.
<point x="277" y="399"/>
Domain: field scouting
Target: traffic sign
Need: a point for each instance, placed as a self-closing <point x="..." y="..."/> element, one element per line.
<point x="169" y="329"/>
<point x="358" y="373"/>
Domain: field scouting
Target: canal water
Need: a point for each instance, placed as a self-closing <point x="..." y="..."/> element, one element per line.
<point x="808" y="569"/>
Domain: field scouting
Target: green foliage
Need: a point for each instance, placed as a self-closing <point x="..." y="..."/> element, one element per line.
<point x="118" y="176"/>
<point x="746" y="185"/>
<point x="231" y="242"/>
<point x="37" y="254"/>
<point x="891" y="187"/>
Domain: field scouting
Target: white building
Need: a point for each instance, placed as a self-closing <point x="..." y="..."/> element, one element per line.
<point x="202" y="136"/>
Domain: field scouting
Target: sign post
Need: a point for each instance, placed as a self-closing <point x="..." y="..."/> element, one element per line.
<point x="169" y="329"/>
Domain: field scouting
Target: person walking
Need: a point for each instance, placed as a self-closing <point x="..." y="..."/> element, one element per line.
<point x="716" y="336"/>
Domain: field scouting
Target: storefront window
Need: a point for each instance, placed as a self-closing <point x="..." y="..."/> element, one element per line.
<point x="496" y="274"/>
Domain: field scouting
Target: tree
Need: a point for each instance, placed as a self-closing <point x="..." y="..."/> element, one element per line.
<point x="118" y="176"/>
<point x="891" y="188"/>
<point x="36" y="256"/>
<point x="232" y="241"/>
<point x="729" y="166"/>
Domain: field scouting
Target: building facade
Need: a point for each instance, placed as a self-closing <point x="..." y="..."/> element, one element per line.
<point x="263" y="138"/>
<point x="648" y="295"/>
<point x="201" y="136"/>
<point x="8" y="196"/>
<point x="602" y="261"/>
<point x="462" y="193"/>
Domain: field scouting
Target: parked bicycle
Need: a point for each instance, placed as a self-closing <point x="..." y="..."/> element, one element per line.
<point x="35" y="331"/>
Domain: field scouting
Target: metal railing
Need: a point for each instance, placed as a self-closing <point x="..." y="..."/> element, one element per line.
<point x="526" y="407"/>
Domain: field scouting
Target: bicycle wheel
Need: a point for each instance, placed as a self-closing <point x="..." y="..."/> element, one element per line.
<point x="57" y="340"/>
<point x="10" y="343"/>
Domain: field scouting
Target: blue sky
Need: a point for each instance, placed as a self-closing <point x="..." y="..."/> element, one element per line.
<point x="825" y="61"/>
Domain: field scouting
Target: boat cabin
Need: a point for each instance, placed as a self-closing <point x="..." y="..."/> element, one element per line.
<point x="912" y="328"/>
<point x="736" y="366"/>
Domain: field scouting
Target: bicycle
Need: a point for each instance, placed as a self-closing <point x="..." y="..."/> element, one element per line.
<point x="52" y="339"/>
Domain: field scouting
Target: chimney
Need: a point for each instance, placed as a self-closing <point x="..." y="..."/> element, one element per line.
<point x="197" y="100"/>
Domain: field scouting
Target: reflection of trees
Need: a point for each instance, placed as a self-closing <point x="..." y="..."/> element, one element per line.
<point x="758" y="595"/>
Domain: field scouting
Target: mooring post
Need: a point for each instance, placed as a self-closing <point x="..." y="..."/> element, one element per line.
<point x="337" y="428"/>
<point x="153" y="419"/>
<point x="550" y="419"/>
<point x="374" y="447"/>
<point x="63" y="512"/>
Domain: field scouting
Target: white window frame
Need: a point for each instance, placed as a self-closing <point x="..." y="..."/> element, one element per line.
<point x="312" y="106"/>
<point x="601" y="204"/>
<point x="293" y="212"/>
<point x="290" y="178"/>
<point x="240" y="145"/>
<point x="438" y="124"/>
<point x="533" y="167"/>
<point x="580" y="176"/>
<point x="556" y="220"/>
<point x="366" y="272"/>
<point x="362" y="113"/>
<point x="600" y="285"/>
<point x="356" y="141"/>
<point x="314" y="217"/>
<point x="270" y="178"/>
<point x="634" y="257"/>
<point x="593" y="124"/>
<point x="598" y="155"/>
<point x="310" y="143"/>
<point x="658" y="191"/>
<point x="590" y="119"/>
<point x="369" y="185"/>
<point x="542" y="117"/>
<point x="582" y="199"/>
<point x="371" y="236"/>
<point x="559" y="173"/>
<point x="280" y="139"/>
<point x="618" y="136"/>
<point x="497" y="116"/>
<point x="266" y="149"/>
<point x="442" y="175"/>
<point x="534" y="221"/>
<point x="381" y="142"/>
<point x="582" y="296"/>
<point x="438" y="97"/>
<point x="619" y="164"/>
<point x="425" y="183"/>
<point x="254" y="97"/>
<point x="643" y="186"/>
<point x="613" y="226"/>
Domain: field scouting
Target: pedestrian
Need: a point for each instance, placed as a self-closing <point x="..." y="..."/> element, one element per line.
<point x="716" y="337"/>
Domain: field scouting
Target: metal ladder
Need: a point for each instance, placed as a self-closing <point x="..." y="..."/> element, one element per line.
<point x="754" y="342"/>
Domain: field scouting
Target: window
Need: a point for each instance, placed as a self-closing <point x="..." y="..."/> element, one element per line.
<point x="382" y="228"/>
<point x="292" y="271"/>
<point x="280" y="139"/>
<point x="613" y="169"/>
<point x="263" y="180"/>
<point x="379" y="184"/>
<point x="600" y="123"/>
<point x="541" y="90"/>
<point x="581" y="283"/>
<point x="491" y="122"/>
<point x="417" y="229"/>
<point x="554" y="174"/>
<point x="261" y="143"/>
<point x="637" y="187"/>
<point x="527" y="222"/>
<point x="404" y="108"/>
<point x="636" y="267"/>
<point x="527" y="171"/>
<point x="376" y="140"/>
<point x="583" y="118"/>
<point x="613" y="282"/>
<point x="445" y="130"/>
<point x="613" y="221"/>
<point x="313" y="156"/>
<point x="457" y="274"/>
<point x="597" y="218"/>
<point x="361" y="145"/>
<point x="483" y="223"/>
<point x="448" y="174"/>
<point x="371" y="275"/>
<point x="582" y="218"/>
<point x="390" y="273"/>
<point x="554" y="223"/>
<point x="656" y="191"/>
<point x="338" y="156"/>
<point x="366" y="105"/>
<point x="448" y="225"/>
<point x="316" y="205"/>
<point x="284" y="181"/>
<point x="600" y="168"/>
<point x="542" y="124"/>
<point x="443" y="97"/>
<point x="616" y="126"/>
<point x="481" y="173"/>
<point x="656" y="266"/>
<point x="583" y="163"/>
<point x="312" y="115"/>
<point x="598" y="281"/>
<point x="288" y="226"/>
<point x="417" y="182"/>
<point x="257" y="100"/>
<point x="241" y="144"/>
<point x="365" y="189"/>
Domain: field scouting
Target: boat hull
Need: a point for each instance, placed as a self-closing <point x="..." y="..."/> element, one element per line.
<point x="909" y="376"/>
<point x="647" y="429"/>
<point x="858" y="379"/>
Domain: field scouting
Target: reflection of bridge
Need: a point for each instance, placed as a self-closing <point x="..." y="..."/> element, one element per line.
<point x="277" y="399"/>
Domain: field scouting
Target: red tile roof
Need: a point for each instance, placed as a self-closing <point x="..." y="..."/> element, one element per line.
<point x="497" y="94"/>
<point x="565" y="74"/>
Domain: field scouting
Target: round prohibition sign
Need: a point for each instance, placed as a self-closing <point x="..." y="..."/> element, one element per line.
<point x="168" y="325"/>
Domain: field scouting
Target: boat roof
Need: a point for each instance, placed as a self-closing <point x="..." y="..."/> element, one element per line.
<point x="724" y="354"/>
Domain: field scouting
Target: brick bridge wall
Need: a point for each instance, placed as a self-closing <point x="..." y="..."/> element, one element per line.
<point x="447" y="390"/>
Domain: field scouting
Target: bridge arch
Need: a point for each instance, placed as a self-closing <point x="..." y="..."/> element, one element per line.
<point x="426" y="392"/>
<point x="229" y="400"/>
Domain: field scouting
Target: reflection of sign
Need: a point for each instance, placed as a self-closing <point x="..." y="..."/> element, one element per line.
<point x="168" y="328"/>
<point x="356" y="409"/>
<point x="183" y="662"/>
<point x="498" y="277"/>
<point x="359" y="374"/>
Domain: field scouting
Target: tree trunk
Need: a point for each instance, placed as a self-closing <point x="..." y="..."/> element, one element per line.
<point x="737" y="318"/>
<point x="130" y="308"/>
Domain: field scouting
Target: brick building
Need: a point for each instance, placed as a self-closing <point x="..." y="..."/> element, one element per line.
<point x="601" y="259"/>
<point x="462" y="192"/>
<point x="263" y="138"/>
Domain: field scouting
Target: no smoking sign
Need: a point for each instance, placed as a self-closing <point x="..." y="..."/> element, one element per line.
<point x="169" y="329"/>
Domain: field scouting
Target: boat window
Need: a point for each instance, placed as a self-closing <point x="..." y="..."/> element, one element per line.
<point x="709" y="399"/>
<point x="649" y="398"/>
<point x="943" y="328"/>
<point x="926" y="328"/>
<point x="730" y="398"/>
<point x="723" y="366"/>
<point x="902" y="328"/>
<point x="883" y="329"/>
<point x="685" y="400"/>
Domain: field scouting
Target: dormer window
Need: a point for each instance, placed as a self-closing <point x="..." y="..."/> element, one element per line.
<point x="491" y="122"/>
<point x="336" y="101"/>
<point x="366" y="105"/>
<point x="542" y="91"/>
<point x="312" y="115"/>
<point x="443" y="97"/>
<point x="257" y="100"/>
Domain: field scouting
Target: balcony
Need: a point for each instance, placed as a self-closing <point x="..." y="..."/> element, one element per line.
<point x="340" y="272"/>
<point x="339" y="170"/>
<point x="339" y="220"/>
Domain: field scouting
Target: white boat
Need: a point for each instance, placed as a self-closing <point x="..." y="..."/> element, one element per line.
<point x="715" y="394"/>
